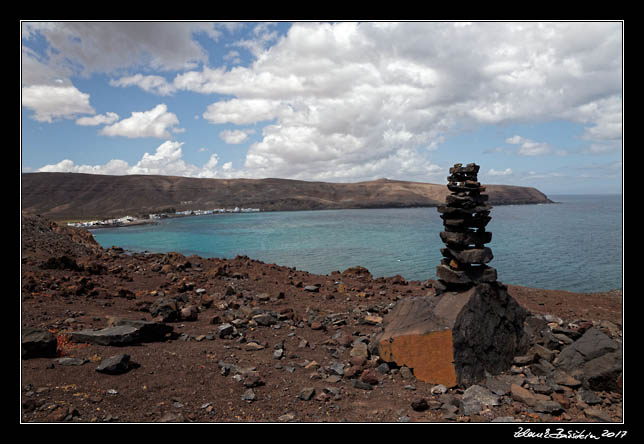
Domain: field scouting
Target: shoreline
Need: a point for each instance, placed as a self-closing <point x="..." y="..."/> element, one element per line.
<point x="384" y="207"/>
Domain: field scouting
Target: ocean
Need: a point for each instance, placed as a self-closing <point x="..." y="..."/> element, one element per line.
<point x="575" y="244"/>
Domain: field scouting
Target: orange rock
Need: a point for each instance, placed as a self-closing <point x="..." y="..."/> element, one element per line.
<point x="430" y="355"/>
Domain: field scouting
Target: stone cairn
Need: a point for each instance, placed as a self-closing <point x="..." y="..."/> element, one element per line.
<point x="471" y="326"/>
<point x="465" y="216"/>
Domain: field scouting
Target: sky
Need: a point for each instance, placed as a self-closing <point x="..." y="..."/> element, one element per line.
<point x="535" y="104"/>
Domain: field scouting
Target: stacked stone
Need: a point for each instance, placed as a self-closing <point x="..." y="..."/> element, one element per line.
<point x="465" y="216"/>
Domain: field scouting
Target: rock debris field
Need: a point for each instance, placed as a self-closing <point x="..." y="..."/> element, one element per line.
<point x="112" y="336"/>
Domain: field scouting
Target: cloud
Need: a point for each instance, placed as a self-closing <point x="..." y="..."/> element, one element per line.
<point x="506" y="172"/>
<point x="51" y="102"/>
<point x="166" y="160"/>
<point x="529" y="147"/>
<point x="347" y="95"/>
<point x="99" y="119"/>
<point x="365" y="100"/>
<point x="154" y="84"/>
<point x="234" y="137"/>
<point x="243" y="111"/>
<point x="153" y="123"/>
<point x="90" y="47"/>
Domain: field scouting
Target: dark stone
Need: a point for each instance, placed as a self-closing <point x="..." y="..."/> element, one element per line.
<point x="165" y="308"/>
<point x="475" y="221"/>
<point x="148" y="331"/>
<point x="602" y="373"/>
<point x="419" y="404"/>
<point x="114" y="365"/>
<point x="456" y="239"/>
<point x="469" y="275"/>
<point x="119" y="335"/>
<point x="487" y="333"/>
<point x="225" y="330"/>
<point x="71" y="361"/>
<point x="61" y="263"/>
<point x="469" y="256"/>
<point x="307" y="393"/>
<point x="470" y="168"/>
<point x="552" y="407"/>
<point x="591" y="345"/>
<point x="38" y="343"/>
<point x="454" y="212"/>
<point x="356" y="383"/>
<point x="465" y="201"/>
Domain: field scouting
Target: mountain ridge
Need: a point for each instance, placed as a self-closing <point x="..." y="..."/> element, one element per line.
<point x="67" y="196"/>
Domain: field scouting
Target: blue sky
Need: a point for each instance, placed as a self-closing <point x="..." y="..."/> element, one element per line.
<point x="535" y="104"/>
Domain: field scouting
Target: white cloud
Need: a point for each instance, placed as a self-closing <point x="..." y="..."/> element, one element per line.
<point x="114" y="167"/>
<point x="348" y="95"/>
<point x="99" y="119"/>
<point x="243" y="111"/>
<point x="234" y="137"/>
<point x="529" y="147"/>
<point x="51" y="102"/>
<point x="166" y="160"/>
<point x="505" y="172"/>
<point x="364" y="100"/>
<point x="153" y="123"/>
<point x="154" y="84"/>
<point x="515" y="140"/>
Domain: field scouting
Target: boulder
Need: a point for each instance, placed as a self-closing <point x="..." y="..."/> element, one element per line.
<point x="114" y="365"/>
<point x="149" y="331"/>
<point x="456" y="337"/>
<point x="602" y="373"/>
<point x="115" y="336"/>
<point x="594" y="359"/>
<point x="591" y="345"/>
<point x="165" y="309"/>
<point x="37" y="343"/>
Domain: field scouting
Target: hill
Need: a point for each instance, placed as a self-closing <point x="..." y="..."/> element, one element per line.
<point x="65" y="196"/>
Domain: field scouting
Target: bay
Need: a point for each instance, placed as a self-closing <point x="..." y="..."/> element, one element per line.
<point x="574" y="245"/>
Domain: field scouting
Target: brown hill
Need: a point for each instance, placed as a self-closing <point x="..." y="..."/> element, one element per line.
<point x="65" y="196"/>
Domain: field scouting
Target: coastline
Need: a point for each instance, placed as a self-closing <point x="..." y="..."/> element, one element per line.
<point x="143" y="221"/>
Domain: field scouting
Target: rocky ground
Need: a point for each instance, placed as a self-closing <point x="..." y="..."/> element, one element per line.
<point x="244" y="341"/>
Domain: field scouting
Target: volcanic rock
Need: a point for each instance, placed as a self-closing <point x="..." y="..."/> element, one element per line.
<point x="457" y="337"/>
<point x="37" y="343"/>
<point x="114" y="365"/>
<point x="118" y="335"/>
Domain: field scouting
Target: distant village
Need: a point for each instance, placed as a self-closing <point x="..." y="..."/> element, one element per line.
<point x="131" y="220"/>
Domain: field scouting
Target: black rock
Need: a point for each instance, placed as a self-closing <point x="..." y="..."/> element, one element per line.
<point x="462" y="239"/>
<point x="114" y="365"/>
<point x="466" y="276"/>
<point x="165" y="308"/>
<point x="37" y="343"/>
<point x="117" y="336"/>
<point x="419" y="404"/>
<point x="593" y="344"/>
<point x="491" y="313"/>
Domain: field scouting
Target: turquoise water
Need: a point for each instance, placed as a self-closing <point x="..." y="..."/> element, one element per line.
<point x="574" y="245"/>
